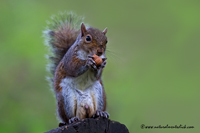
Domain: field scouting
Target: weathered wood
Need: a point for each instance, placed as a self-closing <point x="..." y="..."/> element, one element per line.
<point x="91" y="125"/>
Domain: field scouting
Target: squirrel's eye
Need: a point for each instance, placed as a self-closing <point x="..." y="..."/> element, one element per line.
<point x="88" y="38"/>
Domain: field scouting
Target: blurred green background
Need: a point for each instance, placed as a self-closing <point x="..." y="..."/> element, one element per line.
<point x="152" y="76"/>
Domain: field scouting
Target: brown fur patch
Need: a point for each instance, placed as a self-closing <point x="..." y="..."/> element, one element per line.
<point x="59" y="75"/>
<point x="104" y="96"/>
<point x="61" y="108"/>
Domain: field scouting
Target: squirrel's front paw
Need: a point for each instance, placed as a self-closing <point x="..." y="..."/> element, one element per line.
<point x="73" y="120"/>
<point x="91" y="63"/>
<point x="99" y="113"/>
<point x="103" y="64"/>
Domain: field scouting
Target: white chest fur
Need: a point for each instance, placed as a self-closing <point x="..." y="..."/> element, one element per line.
<point x="80" y="91"/>
<point x="82" y="54"/>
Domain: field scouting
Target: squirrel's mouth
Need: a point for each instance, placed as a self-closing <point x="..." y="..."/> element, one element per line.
<point x="98" y="52"/>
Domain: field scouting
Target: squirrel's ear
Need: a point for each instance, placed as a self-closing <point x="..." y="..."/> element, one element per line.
<point x="105" y="31"/>
<point x="83" y="29"/>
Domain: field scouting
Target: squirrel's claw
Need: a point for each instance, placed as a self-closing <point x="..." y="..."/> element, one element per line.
<point x="73" y="120"/>
<point x="89" y="56"/>
<point x="91" y="63"/>
<point x="103" y="64"/>
<point x="62" y="124"/>
<point x="101" y="114"/>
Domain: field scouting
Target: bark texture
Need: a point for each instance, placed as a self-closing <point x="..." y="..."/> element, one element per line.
<point x="91" y="125"/>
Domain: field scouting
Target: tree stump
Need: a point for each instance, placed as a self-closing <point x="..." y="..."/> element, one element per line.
<point x="91" y="125"/>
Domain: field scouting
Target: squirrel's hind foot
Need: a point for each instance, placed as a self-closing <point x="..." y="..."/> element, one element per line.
<point x="73" y="120"/>
<point x="62" y="124"/>
<point x="99" y="113"/>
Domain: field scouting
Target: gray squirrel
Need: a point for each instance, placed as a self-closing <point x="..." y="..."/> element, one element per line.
<point x="76" y="78"/>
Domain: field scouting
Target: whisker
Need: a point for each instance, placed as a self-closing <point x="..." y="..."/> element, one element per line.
<point x="114" y="55"/>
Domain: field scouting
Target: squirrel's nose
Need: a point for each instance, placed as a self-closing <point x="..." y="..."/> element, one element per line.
<point x="99" y="52"/>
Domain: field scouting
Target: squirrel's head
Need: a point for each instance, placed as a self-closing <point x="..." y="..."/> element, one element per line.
<point x="92" y="41"/>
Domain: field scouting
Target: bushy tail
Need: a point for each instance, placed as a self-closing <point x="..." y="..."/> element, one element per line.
<point x="60" y="34"/>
